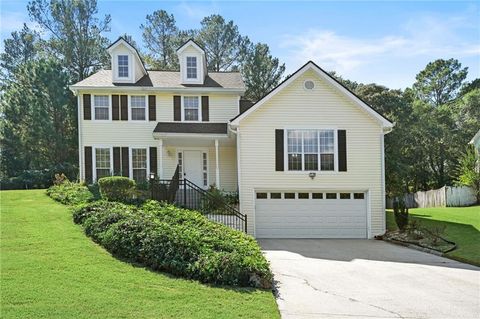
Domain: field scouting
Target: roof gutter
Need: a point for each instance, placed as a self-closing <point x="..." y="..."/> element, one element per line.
<point x="74" y="88"/>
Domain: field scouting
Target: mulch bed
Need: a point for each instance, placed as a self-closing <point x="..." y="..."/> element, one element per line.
<point x="421" y="238"/>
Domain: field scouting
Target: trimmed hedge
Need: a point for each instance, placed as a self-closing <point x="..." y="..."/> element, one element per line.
<point x="70" y="193"/>
<point x="179" y="241"/>
<point x="117" y="188"/>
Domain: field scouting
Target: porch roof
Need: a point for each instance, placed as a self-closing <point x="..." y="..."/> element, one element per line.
<point x="191" y="128"/>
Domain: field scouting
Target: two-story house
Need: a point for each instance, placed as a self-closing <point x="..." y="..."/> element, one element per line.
<point x="307" y="159"/>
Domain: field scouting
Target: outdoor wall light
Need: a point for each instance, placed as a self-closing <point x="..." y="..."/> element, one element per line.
<point x="152" y="175"/>
<point x="312" y="175"/>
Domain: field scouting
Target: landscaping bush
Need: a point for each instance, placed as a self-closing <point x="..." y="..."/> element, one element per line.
<point x="179" y="241"/>
<point x="117" y="188"/>
<point x="400" y="211"/>
<point x="70" y="193"/>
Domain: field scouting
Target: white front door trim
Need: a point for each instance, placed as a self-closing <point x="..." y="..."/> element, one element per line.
<point x="201" y="150"/>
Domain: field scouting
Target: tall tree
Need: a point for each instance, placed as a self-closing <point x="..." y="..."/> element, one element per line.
<point x="440" y="81"/>
<point x="222" y="41"/>
<point x="261" y="72"/>
<point x="76" y="33"/>
<point x="160" y="36"/>
<point x="22" y="47"/>
<point x="38" y="124"/>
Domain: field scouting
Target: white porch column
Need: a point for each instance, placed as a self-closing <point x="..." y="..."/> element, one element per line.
<point x="160" y="159"/>
<point x="217" y="169"/>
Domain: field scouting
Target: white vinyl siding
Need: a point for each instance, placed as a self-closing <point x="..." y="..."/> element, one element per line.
<point x="321" y="108"/>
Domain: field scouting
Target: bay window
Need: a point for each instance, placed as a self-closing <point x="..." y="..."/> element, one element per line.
<point x="311" y="150"/>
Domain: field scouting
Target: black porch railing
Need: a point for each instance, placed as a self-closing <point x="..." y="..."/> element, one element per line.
<point x="184" y="193"/>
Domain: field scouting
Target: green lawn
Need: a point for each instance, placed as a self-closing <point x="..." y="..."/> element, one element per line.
<point x="50" y="269"/>
<point x="462" y="227"/>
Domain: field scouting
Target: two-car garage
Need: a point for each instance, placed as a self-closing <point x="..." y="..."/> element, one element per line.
<point x="310" y="214"/>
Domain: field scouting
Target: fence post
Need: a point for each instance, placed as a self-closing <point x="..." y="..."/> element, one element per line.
<point x="245" y="224"/>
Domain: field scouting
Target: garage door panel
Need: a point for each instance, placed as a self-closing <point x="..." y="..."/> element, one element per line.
<point x="311" y="218"/>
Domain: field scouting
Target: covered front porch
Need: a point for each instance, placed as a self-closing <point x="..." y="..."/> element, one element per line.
<point x="205" y="153"/>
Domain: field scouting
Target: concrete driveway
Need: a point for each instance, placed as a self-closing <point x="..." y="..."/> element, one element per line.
<point x="321" y="278"/>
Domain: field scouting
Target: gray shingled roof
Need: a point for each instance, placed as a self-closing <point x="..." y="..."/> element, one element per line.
<point x="165" y="79"/>
<point x="179" y="127"/>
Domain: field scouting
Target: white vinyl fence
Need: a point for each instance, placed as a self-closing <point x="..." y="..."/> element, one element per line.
<point x="445" y="196"/>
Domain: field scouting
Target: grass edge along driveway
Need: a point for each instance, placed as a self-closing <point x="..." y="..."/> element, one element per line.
<point x="50" y="269"/>
<point x="462" y="227"/>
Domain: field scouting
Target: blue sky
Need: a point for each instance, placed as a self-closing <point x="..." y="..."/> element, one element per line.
<point x="383" y="42"/>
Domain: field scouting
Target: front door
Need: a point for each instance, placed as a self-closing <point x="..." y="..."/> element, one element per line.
<point x="192" y="167"/>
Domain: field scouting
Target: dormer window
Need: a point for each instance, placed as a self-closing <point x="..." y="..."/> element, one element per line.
<point x="123" y="66"/>
<point x="191" y="67"/>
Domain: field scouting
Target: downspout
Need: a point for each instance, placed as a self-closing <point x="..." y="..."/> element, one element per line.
<point x="239" y="179"/>
<point x="384" y="132"/>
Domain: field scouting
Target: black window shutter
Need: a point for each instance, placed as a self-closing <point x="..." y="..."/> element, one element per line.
<point x="116" y="161"/>
<point x="342" y="150"/>
<point x="205" y="109"/>
<point x="152" y="114"/>
<point x="153" y="161"/>
<point x="124" y="107"/>
<point x="87" y="107"/>
<point x="88" y="164"/>
<point x="279" y="154"/>
<point x="115" y="108"/>
<point x="125" y="161"/>
<point x="177" y="108"/>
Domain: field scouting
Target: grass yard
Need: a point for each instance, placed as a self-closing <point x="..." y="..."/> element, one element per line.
<point x="462" y="227"/>
<point x="50" y="269"/>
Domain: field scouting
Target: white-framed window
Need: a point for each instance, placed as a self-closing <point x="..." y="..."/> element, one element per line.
<point x="310" y="150"/>
<point x="139" y="164"/>
<point x="101" y="107"/>
<point x="191" y="67"/>
<point x="122" y="61"/>
<point x="205" y="169"/>
<point x="103" y="162"/>
<point x="138" y="107"/>
<point x="191" y="108"/>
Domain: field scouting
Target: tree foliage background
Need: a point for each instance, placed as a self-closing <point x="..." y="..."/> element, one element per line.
<point x="434" y="118"/>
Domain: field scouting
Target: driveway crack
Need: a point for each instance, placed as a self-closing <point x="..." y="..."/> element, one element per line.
<point x="306" y="282"/>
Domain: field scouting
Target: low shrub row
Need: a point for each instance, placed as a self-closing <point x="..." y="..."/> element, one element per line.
<point x="69" y="193"/>
<point x="178" y="241"/>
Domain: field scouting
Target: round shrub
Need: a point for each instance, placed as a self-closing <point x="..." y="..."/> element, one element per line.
<point x="117" y="188"/>
<point x="70" y="193"/>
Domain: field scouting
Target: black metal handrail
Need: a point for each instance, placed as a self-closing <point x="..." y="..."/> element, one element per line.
<point x="186" y="194"/>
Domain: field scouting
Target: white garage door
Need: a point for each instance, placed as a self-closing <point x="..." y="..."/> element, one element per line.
<point x="310" y="214"/>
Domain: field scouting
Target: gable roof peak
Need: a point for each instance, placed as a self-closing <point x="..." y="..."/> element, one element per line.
<point x="192" y="43"/>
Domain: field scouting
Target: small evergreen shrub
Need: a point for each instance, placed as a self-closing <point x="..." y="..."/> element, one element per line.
<point x="70" y="193"/>
<point x="178" y="241"/>
<point x="400" y="211"/>
<point x="117" y="188"/>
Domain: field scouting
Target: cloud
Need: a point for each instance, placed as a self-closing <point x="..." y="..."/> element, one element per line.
<point x="197" y="11"/>
<point x="427" y="36"/>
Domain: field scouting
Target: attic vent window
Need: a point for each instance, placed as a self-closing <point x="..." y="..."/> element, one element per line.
<point x="309" y="85"/>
